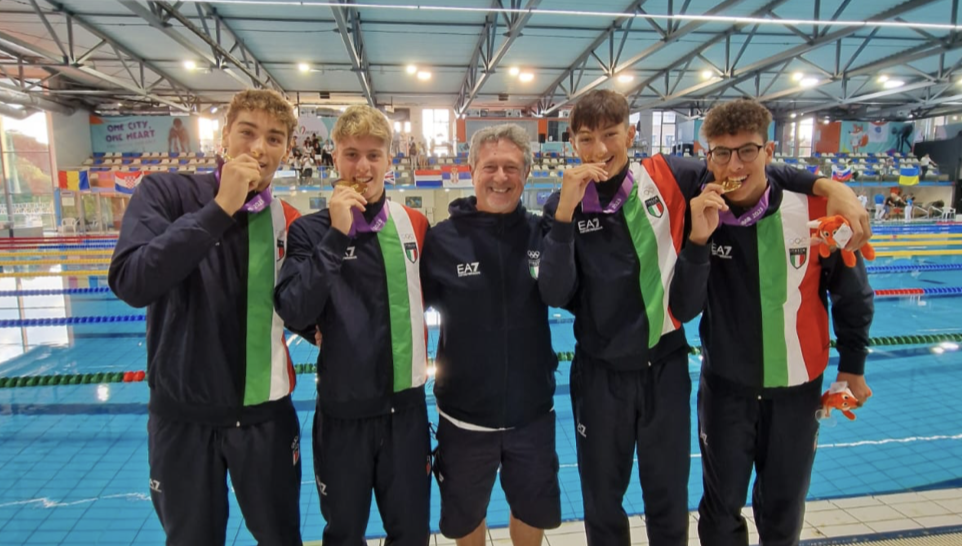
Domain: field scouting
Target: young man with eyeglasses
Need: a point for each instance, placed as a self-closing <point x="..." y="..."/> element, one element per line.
<point x="615" y="231"/>
<point x="764" y="331"/>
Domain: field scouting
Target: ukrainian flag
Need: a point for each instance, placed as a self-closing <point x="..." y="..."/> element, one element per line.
<point x="73" y="180"/>
<point x="908" y="176"/>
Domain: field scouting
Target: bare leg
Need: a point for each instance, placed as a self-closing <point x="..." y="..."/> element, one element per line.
<point x="476" y="538"/>
<point x="523" y="534"/>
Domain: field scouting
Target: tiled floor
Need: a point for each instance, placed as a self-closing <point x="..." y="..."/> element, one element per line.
<point x="854" y="516"/>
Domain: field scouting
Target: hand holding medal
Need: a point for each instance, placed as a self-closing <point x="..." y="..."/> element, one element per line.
<point x="574" y="184"/>
<point x="705" y="210"/>
<point x="348" y="196"/>
<point x="237" y="177"/>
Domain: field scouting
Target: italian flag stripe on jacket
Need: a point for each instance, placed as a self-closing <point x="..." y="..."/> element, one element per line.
<point x="655" y="216"/>
<point x="401" y="240"/>
<point x="269" y="371"/>
<point x="794" y="320"/>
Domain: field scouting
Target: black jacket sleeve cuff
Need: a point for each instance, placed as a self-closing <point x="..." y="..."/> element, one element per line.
<point x="695" y="253"/>
<point x="562" y="232"/>
<point x="214" y="220"/>
<point x="852" y="361"/>
<point x="335" y="242"/>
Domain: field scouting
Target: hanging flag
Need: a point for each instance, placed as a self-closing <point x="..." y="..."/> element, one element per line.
<point x="841" y="174"/>
<point x="428" y="178"/>
<point x="909" y="176"/>
<point x="389" y="177"/>
<point x="73" y="180"/>
<point x="812" y="168"/>
<point x="126" y="182"/>
<point x="456" y="176"/>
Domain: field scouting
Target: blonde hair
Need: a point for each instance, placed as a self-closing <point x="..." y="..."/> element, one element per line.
<point x="269" y="101"/>
<point x="360" y="121"/>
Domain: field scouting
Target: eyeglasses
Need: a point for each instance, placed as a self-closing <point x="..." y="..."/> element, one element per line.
<point x="747" y="153"/>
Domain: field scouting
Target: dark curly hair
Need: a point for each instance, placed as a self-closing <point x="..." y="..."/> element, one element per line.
<point x="742" y="115"/>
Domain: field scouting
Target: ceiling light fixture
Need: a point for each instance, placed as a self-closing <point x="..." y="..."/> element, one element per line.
<point x="883" y="78"/>
<point x="190" y="65"/>
<point x="625" y="78"/>
<point x="893" y="84"/>
<point x="514" y="70"/>
<point x="424" y="75"/>
<point x="707" y="74"/>
<point x="411" y="69"/>
<point x="798" y="76"/>
<point x="303" y="67"/>
<point x="808" y="82"/>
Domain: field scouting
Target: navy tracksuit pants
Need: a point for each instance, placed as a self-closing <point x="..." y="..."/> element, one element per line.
<point x="618" y="414"/>
<point x="387" y="454"/>
<point x="776" y="434"/>
<point x="189" y="463"/>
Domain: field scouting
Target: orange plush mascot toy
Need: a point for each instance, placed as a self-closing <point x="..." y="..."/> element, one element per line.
<point x="835" y="232"/>
<point x="838" y="397"/>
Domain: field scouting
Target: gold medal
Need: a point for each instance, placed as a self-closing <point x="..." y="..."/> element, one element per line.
<point x="353" y="184"/>
<point x="730" y="185"/>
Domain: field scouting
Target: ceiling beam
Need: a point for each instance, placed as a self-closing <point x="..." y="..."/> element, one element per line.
<point x="485" y="59"/>
<point x="31" y="49"/>
<point x="698" y="51"/>
<point x="73" y="18"/>
<point x="546" y="100"/>
<point x="251" y="61"/>
<point x="748" y="72"/>
<point x="217" y="57"/>
<point x="349" y="26"/>
<point x="574" y="94"/>
<point x="153" y="18"/>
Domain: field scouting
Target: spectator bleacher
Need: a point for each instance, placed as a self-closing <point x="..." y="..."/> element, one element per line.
<point x="547" y="167"/>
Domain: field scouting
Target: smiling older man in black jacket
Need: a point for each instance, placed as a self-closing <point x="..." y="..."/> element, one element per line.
<point x="495" y="365"/>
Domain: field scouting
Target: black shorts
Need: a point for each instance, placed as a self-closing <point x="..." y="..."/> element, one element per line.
<point x="466" y="464"/>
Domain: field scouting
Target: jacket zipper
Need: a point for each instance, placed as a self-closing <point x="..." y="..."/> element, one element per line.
<point x="504" y="318"/>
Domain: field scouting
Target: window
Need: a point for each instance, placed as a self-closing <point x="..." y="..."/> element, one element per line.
<point x="210" y="136"/>
<point x="805" y="130"/>
<point x="662" y="132"/>
<point x="27" y="174"/>
<point x="437" y="130"/>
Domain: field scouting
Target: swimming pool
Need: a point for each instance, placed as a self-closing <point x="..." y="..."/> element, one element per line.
<point x="73" y="458"/>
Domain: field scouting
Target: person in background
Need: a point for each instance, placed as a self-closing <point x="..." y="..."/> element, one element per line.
<point x="924" y="165"/>
<point x="893" y="204"/>
<point x="327" y="157"/>
<point x="202" y="252"/>
<point x="307" y="168"/>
